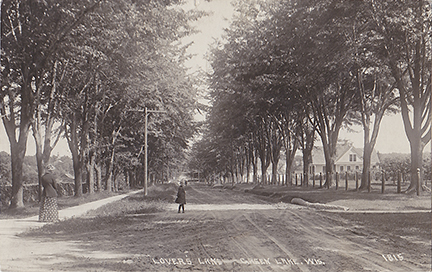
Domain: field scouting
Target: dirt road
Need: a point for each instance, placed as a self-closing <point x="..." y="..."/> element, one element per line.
<point x="223" y="230"/>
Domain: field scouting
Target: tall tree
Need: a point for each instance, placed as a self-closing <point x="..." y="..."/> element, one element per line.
<point x="377" y="97"/>
<point x="45" y="123"/>
<point x="32" y="32"/>
<point x="404" y="27"/>
<point x="316" y="65"/>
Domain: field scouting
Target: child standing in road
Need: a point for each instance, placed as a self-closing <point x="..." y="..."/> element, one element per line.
<point x="181" y="197"/>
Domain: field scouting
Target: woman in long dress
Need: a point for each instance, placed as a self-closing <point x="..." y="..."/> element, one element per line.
<point x="48" y="211"/>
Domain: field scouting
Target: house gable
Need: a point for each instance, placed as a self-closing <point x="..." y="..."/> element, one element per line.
<point x="348" y="158"/>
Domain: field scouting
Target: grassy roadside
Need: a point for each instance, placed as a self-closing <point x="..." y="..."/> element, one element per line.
<point x="352" y="199"/>
<point x="115" y="214"/>
<point x="32" y="208"/>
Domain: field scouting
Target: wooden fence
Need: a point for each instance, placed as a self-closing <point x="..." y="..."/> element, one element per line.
<point x="345" y="181"/>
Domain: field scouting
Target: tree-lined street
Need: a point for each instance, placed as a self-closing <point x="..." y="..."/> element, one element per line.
<point x="110" y="78"/>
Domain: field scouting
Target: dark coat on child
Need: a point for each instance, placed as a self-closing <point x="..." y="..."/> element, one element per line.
<point x="181" y="195"/>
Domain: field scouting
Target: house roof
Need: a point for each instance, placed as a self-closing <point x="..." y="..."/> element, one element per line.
<point x="318" y="153"/>
<point x="374" y="156"/>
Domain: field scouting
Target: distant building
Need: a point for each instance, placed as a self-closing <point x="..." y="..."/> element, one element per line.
<point x="348" y="159"/>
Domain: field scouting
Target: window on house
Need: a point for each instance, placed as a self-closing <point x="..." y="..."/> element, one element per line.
<point x="348" y="168"/>
<point x="352" y="157"/>
<point x="341" y="168"/>
<point x="357" y="167"/>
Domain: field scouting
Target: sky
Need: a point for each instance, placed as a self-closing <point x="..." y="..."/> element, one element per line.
<point x="392" y="137"/>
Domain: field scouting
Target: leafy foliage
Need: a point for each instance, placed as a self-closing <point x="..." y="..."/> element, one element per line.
<point x="102" y="58"/>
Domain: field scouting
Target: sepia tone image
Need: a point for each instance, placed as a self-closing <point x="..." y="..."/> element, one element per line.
<point x="216" y="135"/>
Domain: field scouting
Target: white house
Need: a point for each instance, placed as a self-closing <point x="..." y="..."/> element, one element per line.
<point x="348" y="159"/>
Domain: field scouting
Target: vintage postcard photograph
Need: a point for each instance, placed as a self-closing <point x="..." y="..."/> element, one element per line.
<point x="216" y="135"/>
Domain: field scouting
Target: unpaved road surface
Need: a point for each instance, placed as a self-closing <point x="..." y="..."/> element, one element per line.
<point x="221" y="230"/>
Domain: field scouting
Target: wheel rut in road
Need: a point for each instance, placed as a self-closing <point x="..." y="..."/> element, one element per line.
<point x="221" y="230"/>
<point x="275" y="237"/>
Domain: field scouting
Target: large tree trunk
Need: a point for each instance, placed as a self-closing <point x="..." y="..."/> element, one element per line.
<point x="288" y="168"/>
<point x="367" y="152"/>
<point x="329" y="171"/>
<point x="91" y="175"/>
<point x="275" y="161"/>
<point x="291" y="147"/>
<point x="109" y="175"/>
<point x="77" y="166"/>
<point x="110" y="166"/>
<point x="98" y="170"/>
<point x="248" y="168"/>
<point x="18" y="147"/>
<point x="18" y="152"/>
<point x="72" y="139"/>
<point x="39" y="157"/>
<point x="369" y="145"/>
<point x="274" y="171"/>
<point x="254" y="170"/>
<point x="329" y="156"/>
<point x="308" y="143"/>
<point x="367" y="149"/>
<point x="416" y="165"/>
<point x="264" y="166"/>
<point x="265" y="162"/>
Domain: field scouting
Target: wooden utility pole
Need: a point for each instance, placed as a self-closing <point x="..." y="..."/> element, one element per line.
<point x="146" y="113"/>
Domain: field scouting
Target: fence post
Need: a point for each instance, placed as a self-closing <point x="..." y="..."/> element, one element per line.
<point x="313" y="178"/>
<point x="306" y="179"/>
<point x="383" y="182"/>
<point x="337" y="180"/>
<point x="291" y="179"/>
<point x="399" y="182"/>
<point x="346" y="181"/>
<point x="369" y="181"/>
<point x="418" y="181"/>
<point x="356" y="180"/>
<point x="328" y="184"/>
<point x="320" y="180"/>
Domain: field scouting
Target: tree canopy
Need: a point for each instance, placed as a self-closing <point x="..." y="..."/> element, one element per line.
<point x="327" y="65"/>
<point x="85" y="65"/>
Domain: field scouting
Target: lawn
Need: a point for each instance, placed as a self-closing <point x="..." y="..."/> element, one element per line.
<point x="32" y="208"/>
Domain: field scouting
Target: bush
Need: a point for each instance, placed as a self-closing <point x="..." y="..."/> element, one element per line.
<point x="394" y="163"/>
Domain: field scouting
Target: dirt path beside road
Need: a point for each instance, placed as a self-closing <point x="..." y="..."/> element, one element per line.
<point x="221" y="230"/>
